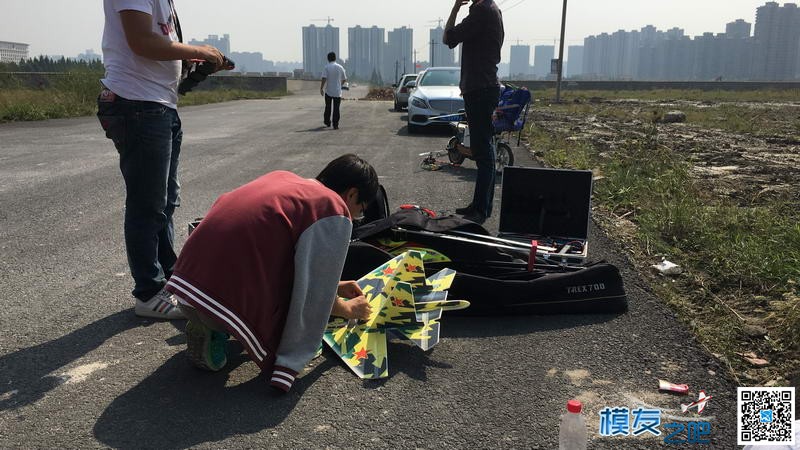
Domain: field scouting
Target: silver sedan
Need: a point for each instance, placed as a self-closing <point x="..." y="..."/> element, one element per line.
<point x="435" y="93"/>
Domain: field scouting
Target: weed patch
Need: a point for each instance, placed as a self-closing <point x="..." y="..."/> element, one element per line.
<point x="74" y="95"/>
<point x="668" y="95"/>
<point x="741" y="255"/>
<point x="225" y="95"/>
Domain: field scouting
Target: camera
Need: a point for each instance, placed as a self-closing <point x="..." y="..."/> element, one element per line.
<point x="199" y="71"/>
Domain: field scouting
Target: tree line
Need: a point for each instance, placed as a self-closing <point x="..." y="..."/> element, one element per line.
<point x="48" y="64"/>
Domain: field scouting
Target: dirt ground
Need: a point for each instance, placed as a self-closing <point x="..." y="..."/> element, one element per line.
<point x="747" y="153"/>
<point x="745" y="166"/>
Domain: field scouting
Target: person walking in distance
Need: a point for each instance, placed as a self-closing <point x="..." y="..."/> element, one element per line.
<point x="481" y="34"/>
<point x="333" y="78"/>
<point x="143" y="54"/>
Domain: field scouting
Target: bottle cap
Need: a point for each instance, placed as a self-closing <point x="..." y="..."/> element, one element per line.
<point x="574" y="406"/>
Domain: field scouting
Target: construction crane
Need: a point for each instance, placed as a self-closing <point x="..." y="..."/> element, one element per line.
<point x="329" y="20"/>
<point x="439" y="21"/>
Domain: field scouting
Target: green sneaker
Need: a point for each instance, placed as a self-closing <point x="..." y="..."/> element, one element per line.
<point x="318" y="353"/>
<point x="206" y="347"/>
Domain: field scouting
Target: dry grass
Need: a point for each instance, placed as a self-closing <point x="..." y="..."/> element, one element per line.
<point x="75" y="96"/>
<point x="741" y="259"/>
<point x="670" y="95"/>
<point x="385" y="94"/>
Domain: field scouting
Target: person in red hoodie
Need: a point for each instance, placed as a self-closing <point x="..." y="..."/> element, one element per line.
<point x="264" y="265"/>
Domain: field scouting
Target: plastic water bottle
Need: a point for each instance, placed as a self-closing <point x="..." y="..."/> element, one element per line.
<point x="572" y="429"/>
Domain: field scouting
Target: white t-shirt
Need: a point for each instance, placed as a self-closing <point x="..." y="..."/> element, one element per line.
<point x="129" y="75"/>
<point x="334" y="74"/>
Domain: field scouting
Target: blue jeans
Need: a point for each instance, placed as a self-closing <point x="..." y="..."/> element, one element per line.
<point x="148" y="137"/>
<point x="479" y="106"/>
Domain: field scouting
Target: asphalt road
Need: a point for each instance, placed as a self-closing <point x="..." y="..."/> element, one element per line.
<point x="78" y="369"/>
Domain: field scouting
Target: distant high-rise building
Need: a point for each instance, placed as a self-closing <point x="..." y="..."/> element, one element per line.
<point x="616" y="55"/>
<point x="590" y="51"/>
<point x="13" y="51"/>
<point x="317" y="43"/>
<point x="503" y="70"/>
<point x="251" y="62"/>
<point x="674" y="57"/>
<point x="287" y="66"/>
<point x="706" y="64"/>
<point x="675" y="33"/>
<point x="399" y="57"/>
<point x="777" y="38"/>
<point x="647" y="54"/>
<point x="653" y="54"/>
<point x="441" y="55"/>
<point x="542" y="57"/>
<point x="574" y="65"/>
<point x="738" y="51"/>
<point x="365" y="53"/>
<point x="738" y="29"/>
<point x="519" y="65"/>
<point x="649" y="64"/>
<point x="223" y="44"/>
<point x="89" y="56"/>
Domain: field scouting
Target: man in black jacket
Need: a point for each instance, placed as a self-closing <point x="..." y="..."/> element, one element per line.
<point x="481" y="34"/>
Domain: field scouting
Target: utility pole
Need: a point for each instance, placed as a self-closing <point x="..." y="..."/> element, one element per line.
<point x="433" y="53"/>
<point x="561" y="53"/>
<point x="415" y="60"/>
<point x="396" y="68"/>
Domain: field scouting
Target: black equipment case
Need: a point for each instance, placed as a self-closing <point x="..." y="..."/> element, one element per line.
<point x="494" y="277"/>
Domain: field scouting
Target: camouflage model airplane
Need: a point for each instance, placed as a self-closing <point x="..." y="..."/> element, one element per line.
<point x="403" y="302"/>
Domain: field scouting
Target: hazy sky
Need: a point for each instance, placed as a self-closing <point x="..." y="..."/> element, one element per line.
<point x="69" y="27"/>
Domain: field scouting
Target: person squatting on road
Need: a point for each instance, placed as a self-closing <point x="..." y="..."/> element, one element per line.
<point x="264" y="265"/>
<point x="481" y="34"/>
<point x="143" y="54"/>
<point x="333" y="78"/>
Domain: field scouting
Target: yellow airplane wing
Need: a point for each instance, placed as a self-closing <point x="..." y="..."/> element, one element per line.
<point x="399" y="247"/>
<point x="441" y="280"/>
<point x="363" y="346"/>
<point x="402" y="301"/>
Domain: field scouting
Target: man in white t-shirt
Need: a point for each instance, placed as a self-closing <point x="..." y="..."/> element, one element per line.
<point x="143" y="54"/>
<point x="333" y="78"/>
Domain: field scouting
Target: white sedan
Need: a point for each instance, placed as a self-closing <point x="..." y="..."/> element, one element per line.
<point x="435" y="93"/>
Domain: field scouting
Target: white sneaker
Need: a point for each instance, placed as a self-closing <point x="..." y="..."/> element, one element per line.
<point x="160" y="306"/>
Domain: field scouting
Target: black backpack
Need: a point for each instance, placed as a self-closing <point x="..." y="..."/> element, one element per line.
<point x="377" y="209"/>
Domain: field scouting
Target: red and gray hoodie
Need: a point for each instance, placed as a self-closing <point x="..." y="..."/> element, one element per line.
<point x="265" y="263"/>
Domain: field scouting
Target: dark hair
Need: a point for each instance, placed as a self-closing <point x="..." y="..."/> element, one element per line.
<point x="332" y="56"/>
<point x="349" y="171"/>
